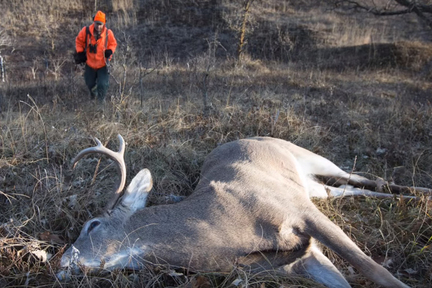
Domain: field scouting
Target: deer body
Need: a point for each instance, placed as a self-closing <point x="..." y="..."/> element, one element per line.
<point x="251" y="209"/>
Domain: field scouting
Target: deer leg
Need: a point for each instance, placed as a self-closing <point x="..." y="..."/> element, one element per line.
<point x="317" y="267"/>
<point x="379" y="184"/>
<point x="347" y="190"/>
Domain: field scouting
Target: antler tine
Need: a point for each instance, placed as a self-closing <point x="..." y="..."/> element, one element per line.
<point x="118" y="157"/>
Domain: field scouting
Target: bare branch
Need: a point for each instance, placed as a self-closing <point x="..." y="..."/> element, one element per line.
<point x="400" y="7"/>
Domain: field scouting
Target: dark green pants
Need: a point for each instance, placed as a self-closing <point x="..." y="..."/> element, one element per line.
<point x="97" y="80"/>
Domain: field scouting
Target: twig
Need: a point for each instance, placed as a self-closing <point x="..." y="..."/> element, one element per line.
<point x="2" y="68"/>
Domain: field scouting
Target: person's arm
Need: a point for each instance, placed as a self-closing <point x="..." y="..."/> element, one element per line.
<point x="111" y="45"/>
<point x="80" y="41"/>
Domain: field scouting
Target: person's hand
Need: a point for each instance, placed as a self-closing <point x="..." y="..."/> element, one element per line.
<point x="108" y="53"/>
<point x="80" y="57"/>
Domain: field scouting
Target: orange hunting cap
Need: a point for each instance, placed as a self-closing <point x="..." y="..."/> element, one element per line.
<point x="99" y="17"/>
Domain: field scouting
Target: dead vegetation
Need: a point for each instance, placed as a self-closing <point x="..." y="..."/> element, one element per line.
<point x="353" y="88"/>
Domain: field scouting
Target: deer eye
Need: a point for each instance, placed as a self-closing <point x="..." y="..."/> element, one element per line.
<point x="93" y="225"/>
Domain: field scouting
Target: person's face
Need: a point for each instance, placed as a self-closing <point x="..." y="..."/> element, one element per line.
<point x="98" y="27"/>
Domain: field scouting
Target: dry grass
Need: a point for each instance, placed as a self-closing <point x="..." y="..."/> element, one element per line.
<point x="373" y="118"/>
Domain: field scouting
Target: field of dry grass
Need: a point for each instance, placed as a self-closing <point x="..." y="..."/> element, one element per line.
<point x="353" y="88"/>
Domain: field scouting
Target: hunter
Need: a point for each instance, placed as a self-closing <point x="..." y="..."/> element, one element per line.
<point x="95" y="45"/>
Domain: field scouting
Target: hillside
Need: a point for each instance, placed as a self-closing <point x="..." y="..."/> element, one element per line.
<point x="352" y="87"/>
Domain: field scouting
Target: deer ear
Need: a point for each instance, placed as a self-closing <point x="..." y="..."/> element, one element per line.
<point x="135" y="196"/>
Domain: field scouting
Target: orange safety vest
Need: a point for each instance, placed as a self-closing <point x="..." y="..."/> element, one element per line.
<point x="106" y="41"/>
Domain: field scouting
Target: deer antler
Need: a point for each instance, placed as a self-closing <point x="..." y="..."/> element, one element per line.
<point x="118" y="157"/>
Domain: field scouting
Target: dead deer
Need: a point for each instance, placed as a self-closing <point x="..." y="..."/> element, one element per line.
<point x="250" y="210"/>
